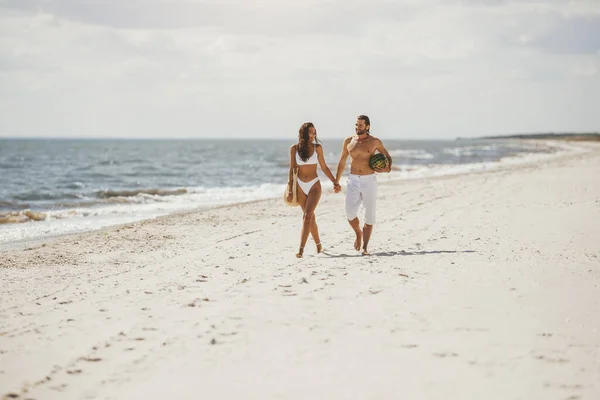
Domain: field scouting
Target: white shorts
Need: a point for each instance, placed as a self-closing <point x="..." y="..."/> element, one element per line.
<point x="361" y="188"/>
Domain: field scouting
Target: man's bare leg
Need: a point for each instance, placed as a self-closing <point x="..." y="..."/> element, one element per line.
<point x="355" y="224"/>
<point x="367" y="230"/>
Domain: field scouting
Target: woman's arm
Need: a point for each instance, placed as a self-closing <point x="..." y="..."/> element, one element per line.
<point x="292" y="165"/>
<point x="323" y="164"/>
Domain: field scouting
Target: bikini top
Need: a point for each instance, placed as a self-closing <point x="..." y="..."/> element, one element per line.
<point x="311" y="160"/>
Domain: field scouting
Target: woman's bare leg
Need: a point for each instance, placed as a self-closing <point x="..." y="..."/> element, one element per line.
<point x="302" y="201"/>
<point x="314" y="232"/>
<point x="310" y="204"/>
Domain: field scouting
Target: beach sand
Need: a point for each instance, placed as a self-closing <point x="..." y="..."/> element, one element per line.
<point x="479" y="286"/>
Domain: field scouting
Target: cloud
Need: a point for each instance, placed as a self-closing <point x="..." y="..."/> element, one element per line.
<point x="131" y="14"/>
<point x="259" y="68"/>
<point x="569" y="34"/>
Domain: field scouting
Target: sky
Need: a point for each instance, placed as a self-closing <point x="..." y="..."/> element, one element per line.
<point x="420" y="69"/>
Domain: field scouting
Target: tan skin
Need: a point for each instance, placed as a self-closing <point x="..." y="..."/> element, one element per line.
<point x="360" y="148"/>
<point x="309" y="202"/>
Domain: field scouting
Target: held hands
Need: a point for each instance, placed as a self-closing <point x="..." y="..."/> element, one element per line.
<point x="337" y="187"/>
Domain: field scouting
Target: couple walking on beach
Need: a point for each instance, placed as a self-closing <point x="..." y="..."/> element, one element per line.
<point x="361" y="183"/>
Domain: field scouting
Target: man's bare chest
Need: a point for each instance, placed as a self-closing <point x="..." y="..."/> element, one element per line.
<point x="361" y="150"/>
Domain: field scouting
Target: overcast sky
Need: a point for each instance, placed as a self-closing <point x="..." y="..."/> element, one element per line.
<point x="255" y="68"/>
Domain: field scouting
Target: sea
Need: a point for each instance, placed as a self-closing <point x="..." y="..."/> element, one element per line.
<point x="51" y="187"/>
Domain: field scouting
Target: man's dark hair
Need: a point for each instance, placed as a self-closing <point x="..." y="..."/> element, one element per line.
<point x="367" y="121"/>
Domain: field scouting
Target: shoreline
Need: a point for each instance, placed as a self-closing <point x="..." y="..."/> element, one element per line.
<point x="567" y="151"/>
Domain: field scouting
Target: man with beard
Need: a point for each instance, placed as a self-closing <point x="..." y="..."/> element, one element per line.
<point x="362" y="180"/>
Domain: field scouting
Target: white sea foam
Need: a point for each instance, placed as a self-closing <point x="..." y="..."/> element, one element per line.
<point x="411" y="171"/>
<point x="136" y="208"/>
<point x="415" y="154"/>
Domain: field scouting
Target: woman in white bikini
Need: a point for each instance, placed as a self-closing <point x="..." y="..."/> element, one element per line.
<point x="304" y="156"/>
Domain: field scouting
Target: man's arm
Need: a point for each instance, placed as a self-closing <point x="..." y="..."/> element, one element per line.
<point x="381" y="148"/>
<point x="342" y="162"/>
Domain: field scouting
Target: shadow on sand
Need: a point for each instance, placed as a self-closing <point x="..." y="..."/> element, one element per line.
<point x="397" y="253"/>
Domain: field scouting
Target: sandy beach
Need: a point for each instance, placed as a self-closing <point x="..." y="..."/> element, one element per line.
<point x="479" y="286"/>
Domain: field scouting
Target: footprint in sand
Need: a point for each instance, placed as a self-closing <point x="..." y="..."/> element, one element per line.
<point x="91" y="359"/>
<point x="59" y="388"/>
<point x="444" y="355"/>
<point x="74" y="371"/>
<point x="555" y="360"/>
<point x="564" y="386"/>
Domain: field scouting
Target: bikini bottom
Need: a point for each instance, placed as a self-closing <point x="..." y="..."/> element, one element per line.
<point x="305" y="186"/>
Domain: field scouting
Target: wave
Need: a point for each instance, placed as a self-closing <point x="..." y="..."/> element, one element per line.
<point x="416" y="154"/>
<point x="107" y="194"/>
<point x="45" y="195"/>
<point x="94" y="214"/>
<point x="13" y="205"/>
<point x="461" y="151"/>
<point x="18" y="217"/>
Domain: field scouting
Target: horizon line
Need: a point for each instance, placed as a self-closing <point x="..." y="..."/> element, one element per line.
<point x="457" y="137"/>
<point x="193" y="138"/>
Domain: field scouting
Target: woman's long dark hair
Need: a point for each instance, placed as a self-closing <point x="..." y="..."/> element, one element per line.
<point x="303" y="140"/>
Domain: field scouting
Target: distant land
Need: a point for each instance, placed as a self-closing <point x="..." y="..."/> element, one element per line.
<point x="552" y="136"/>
